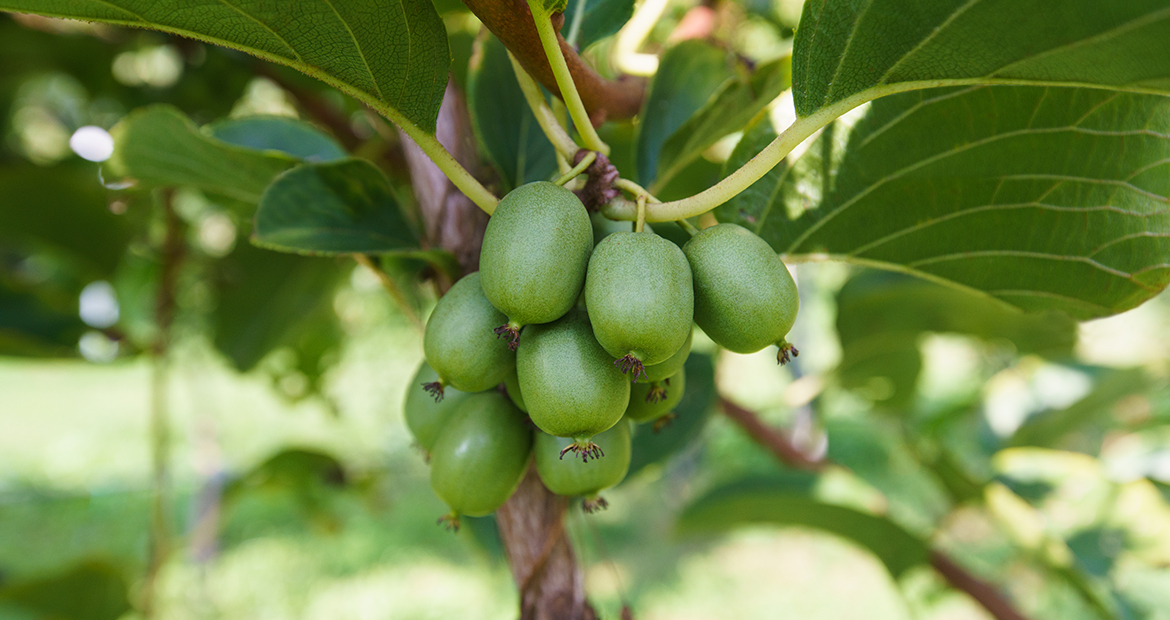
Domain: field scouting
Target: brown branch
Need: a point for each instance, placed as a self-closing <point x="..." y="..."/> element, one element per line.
<point x="511" y="22"/>
<point x="783" y="449"/>
<point x="980" y="590"/>
<point x="171" y="254"/>
<point x="450" y="220"/>
<point x="543" y="566"/>
<point x="771" y="439"/>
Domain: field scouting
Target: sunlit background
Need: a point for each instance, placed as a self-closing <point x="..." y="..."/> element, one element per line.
<point x="296" y="491"/>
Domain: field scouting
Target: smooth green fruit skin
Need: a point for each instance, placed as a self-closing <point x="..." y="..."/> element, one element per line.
<point x="512" y="385"/>
<point x="460" y="342"/>
<point x="424" y="416"/>
<point x="535" y="252"/>
<point x="481" y="454"/>
<point x="662" y="370"/>
<point x="642" y="411"/>
<point x="571" y="476"/>
<point x="570" y="384"/>
<point x="640" y="296"/>
<point x="745" y="299"/>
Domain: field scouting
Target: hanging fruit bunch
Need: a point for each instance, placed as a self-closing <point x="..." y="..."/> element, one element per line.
<point x="559" y="347"/>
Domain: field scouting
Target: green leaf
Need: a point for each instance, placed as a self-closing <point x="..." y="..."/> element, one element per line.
<point x="1045" y="198"/>
<point x="847" y="47"/>
<point x="268" y="300"/>
<point x="278" y="133"/>
<point x="504" y="124"/>
<point x="1055" y="428"/>
<point x="393" y="57"/>
<point x="729" y="110"/>
<point x="881" y="317"/>
<point x="597" y="19"/>
<point x="90" y="590"/>
<point x="63" y="209"/>
<point x="32" y="325"/>
<point x="553" y="6"/>
<point x="688" y="75"/>
<point x="691" y="417"/>
<point x="738" y="504"/>
<point x="342" y="207"/>
<point x="160" y="146"/>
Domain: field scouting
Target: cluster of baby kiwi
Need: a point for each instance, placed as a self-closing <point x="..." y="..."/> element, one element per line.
<point x="557" y="345"/>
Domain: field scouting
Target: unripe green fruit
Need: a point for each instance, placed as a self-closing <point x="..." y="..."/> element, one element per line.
<point x="459" y="343"/>
<point x="480" y="455"/>
<point x="745" y="299"/>
<point x="570" y="384"/>
<point x="571" y="477"/>
<point x="640" y="298"/>
<point x="660" y="371"/>
<point x="534" y="255"/>
<point x="650" y="401"/>
<point x="512" y="386"/>
<point x="425" y="417"/>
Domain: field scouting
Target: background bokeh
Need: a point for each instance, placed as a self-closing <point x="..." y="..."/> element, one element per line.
<point x="1034" y="451"/>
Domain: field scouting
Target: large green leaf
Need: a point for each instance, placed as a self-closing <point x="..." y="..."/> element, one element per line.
<point x="505" y="125"/>
<point x="1046" y="198"/>
<point x="160" y="146"/>
<point x="691" y="415"/>
<point x="593" y="20"/>
<point x="63" y="209"/>
<point x="752" y="503"/>
<point x="268" y="300"/>
<point x="729" y="110"/>
<point x="391" y="55"/>
<point x="32" y="324"/>
<point x="342" y="207"/>
<point x="278" y="133"/>
<point x="847" y="47"/>
<point x="91" y="590"/>
<point x="687" y="76"/>
<point x="881" y="317"/>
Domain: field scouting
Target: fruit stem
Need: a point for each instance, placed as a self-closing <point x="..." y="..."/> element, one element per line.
<point x="449" y="521"/>
<point x="664" y="422"/>
<point x="641" y="223"/>
<point x="631" y="364"/>
<point x="434" y="388"/>
<point x="656" y="394"/>
<point x="633" y="34"/>
<point x="689" y="227"/>
<point x="556" y="61"/>
<point x="545" y="117"/>
<point x="513" y="332"/>
<point x="786" y="348"/>
<point x="583" y="447"/>
<point x="594" y="504"/>
<point x="635" y="189"/>
<point x="585" y="162"/>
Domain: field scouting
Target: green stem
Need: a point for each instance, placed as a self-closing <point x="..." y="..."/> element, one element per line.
<point x="560" y="69"/>
<point x="545" y="117"/>
<point x="585" y="162"/>
<point x="640" y="224"/>
<point x="689" y="227"/>
<point x="456" y="173"/>
<point x="575" y="27"/>
<point x="635" y="189"/>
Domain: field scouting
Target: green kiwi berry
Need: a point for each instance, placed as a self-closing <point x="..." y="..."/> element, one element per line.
<point x="570" y="477"/>
<point x="662" y="370"/>
<point x="424" y="416"/>
<point x="640" y="299"/>
<point x="535" y="251"/>
<point x="459" y="343"/>
<point x="745" y="299"/>
<point x="570" y="385"/>
<point x="651" y="401"/>
<point x="480" y="455"/>
<point x="512" y="386"/>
